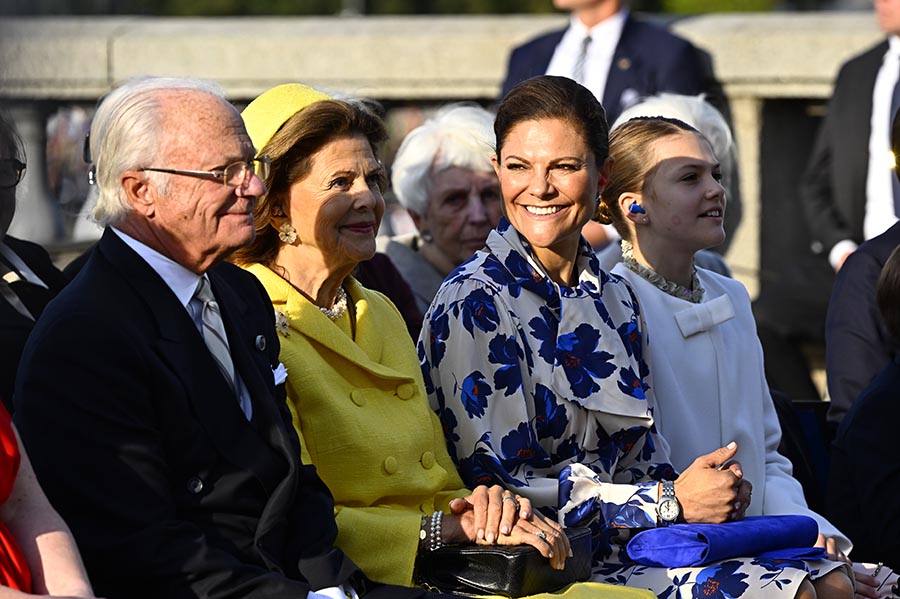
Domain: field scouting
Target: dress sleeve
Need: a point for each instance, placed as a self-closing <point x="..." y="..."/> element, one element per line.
<point x="504" y="427"/>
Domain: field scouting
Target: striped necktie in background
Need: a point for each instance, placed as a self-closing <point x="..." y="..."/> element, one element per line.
<point x="578" y="70"/>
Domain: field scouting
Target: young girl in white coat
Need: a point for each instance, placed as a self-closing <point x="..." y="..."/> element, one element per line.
<point x="665" y="198"/>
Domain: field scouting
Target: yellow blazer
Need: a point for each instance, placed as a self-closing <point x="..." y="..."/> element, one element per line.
<point x="364" y="421"/>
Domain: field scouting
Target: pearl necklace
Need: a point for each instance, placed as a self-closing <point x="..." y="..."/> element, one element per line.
<point x="693" y="295"/>
<point x="339" y="307"/>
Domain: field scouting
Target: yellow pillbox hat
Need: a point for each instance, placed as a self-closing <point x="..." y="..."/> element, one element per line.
<point x="265" y="115"/>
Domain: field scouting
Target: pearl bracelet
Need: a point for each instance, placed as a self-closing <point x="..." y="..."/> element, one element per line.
<point x="430" y="534"/>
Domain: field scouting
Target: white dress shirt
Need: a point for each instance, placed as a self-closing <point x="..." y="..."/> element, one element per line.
<point x="604" y="39"/>
<point x="183" y="284"/>
<point x="879" y="214"/>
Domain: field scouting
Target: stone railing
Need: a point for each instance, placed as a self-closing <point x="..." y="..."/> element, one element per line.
<point x="46" y="61"/>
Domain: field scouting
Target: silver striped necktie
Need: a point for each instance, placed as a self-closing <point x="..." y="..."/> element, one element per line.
<point x="578" y="70"/>
<point x="213" y="331"/>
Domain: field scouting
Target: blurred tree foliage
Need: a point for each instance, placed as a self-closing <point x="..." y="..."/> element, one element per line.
<point x="372" y="7"/>
<point x="704" y="6"/>
<point x="333" y="7"/>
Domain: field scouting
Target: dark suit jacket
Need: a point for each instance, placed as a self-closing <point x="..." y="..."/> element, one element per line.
<point x="141" y="446"/>
<point x="864" y="479"/>
<point x="857" y="344"/>
<point x="15" y="328"/>
<point x="648" y="60"/>
<point x="833" y="190"/>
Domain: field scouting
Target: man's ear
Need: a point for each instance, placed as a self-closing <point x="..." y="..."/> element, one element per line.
<point x="140" y="193"/>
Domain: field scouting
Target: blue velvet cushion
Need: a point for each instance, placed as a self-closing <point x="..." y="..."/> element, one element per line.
<point x="680" y="545"/>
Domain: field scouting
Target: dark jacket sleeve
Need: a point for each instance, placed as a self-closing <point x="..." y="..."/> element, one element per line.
<point x="817" y="195"/>
<point x="856" y="341"/>
<point x="88" y="415"/>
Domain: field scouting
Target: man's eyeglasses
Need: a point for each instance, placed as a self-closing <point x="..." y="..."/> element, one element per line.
<point x="233" y="175"/>
<point x="11" y="171"/>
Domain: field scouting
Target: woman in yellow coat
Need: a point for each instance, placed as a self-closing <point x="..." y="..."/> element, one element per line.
<point x="354" y="383"/>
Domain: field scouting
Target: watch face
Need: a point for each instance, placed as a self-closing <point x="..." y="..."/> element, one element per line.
<point x="669" y="510"/>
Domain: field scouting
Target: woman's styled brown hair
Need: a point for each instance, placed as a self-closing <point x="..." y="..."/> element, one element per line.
<point x="631" y="147"/>
<point x="291" y="150"/>
<point x="549" y="97"/>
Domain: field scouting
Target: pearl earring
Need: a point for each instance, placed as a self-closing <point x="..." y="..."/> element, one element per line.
<point x="646" y="219"/>
<point x="287" y="233"/>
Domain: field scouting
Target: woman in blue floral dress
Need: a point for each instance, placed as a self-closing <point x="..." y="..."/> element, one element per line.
<point x="534" y="361"/>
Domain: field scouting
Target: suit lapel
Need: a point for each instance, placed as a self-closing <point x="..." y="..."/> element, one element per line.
<point x="621" y="71"/>
<point x="249" y="350"/>
<point x="544" y="53"/>
<point x="181" y="346"/>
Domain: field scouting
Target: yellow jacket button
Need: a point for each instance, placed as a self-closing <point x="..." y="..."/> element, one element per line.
<point x="406" y="391"/>
<point x="427" y="460"/>
<point x="390" y="465"/>
<point x="358" y="397"/>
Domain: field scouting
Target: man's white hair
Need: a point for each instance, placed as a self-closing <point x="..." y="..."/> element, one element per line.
<point x="125" y="135"/>
<point x="458" y="135"/>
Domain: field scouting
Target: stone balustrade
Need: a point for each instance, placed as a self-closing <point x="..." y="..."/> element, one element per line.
<point x="45" y="61"/>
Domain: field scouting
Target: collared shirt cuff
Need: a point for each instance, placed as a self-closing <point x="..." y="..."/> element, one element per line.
<point x="838" y="252"/>
<point x="345" y="591"/>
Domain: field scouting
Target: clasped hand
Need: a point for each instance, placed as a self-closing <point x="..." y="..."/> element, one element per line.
<point x="493" y="515"/>
<point x="713" y="489"/>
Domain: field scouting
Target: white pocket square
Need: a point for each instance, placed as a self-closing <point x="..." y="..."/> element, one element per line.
<point x="280" y="374"/>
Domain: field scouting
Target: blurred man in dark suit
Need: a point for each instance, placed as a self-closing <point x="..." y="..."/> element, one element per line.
<point x="849" y="191"/>
<point x="857" y="342"/>
<point x="617" y="56"/>
<point x="28" y="278"/>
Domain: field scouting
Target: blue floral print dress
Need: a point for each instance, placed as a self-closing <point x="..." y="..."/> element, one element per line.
<point x="545" y="389"/>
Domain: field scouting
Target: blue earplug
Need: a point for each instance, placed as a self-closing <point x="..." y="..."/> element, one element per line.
<point x="636" y="209"/>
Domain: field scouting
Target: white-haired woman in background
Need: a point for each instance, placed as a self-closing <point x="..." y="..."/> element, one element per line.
<point x="442" y="175"/>
<point x="703" y="116"/>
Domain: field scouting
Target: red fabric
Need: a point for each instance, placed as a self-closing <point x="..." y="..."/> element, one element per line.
<point x="14" y="571"/>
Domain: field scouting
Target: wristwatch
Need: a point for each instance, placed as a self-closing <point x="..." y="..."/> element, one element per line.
<point x="668" y="509"/>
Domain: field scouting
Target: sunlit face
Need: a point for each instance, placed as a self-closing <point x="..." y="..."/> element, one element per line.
<point x="684" y="198"/>
<point x="888" y="14"/>
<point x="550" y="183"/>
<point x="199" y="221"/>
<point x="337" y="207"/>
<point x="463" y="206"/>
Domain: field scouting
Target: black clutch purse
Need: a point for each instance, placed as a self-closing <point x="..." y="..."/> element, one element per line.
<point x="511" y="571"/>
